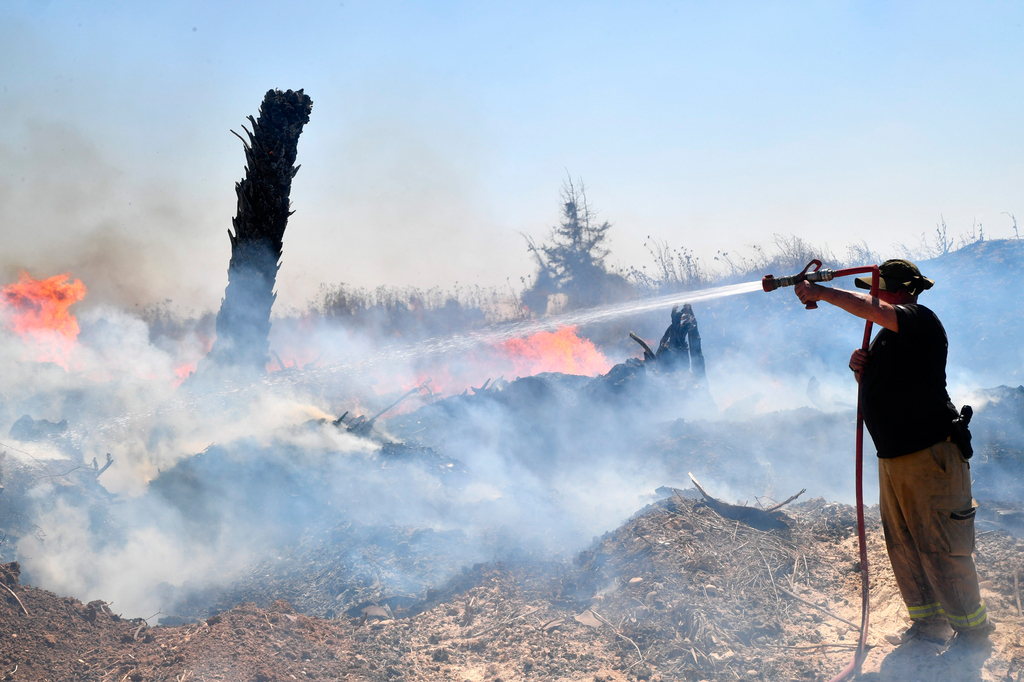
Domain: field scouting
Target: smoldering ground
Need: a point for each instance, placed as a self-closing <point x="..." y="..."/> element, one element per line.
<point x="208" y="480"/>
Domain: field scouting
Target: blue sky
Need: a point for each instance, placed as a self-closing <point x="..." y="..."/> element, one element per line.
<point x="441" y="131"/>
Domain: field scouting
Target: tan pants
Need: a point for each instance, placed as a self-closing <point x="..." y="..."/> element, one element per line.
<point x="928" y="519"/>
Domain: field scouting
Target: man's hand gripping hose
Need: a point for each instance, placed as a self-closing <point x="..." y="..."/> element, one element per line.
<point x="770" y="283"/>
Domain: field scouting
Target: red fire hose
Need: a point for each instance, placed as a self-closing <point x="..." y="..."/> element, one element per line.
<point x="770" y="283"/>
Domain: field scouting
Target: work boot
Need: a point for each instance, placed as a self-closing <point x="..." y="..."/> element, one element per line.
<point x="972" y="640"/>
<point x="935" y="630"/>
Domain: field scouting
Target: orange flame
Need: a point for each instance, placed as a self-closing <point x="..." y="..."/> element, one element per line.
<point x="40" y="314"/>
<point x="559" y="351"/>
<point x="182" y="372"/>
<point x="190" y="352"/>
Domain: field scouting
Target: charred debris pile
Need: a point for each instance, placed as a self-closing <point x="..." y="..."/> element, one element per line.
<point x="676" y="593"/>
<point x="333" y="561"/>
<point x="679" y="591"/>
<point x="320" y="508"/>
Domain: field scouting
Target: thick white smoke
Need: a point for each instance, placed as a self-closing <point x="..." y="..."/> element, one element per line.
<point x="211" y="477"/>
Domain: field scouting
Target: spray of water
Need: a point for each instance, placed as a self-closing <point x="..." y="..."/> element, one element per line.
<point x="455" y="343"/>
<point x="503" y="332"/>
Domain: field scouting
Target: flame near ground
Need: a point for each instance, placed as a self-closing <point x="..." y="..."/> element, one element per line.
<point x="40" y="313"/>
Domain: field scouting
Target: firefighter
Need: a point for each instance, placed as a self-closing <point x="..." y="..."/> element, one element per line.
<point x="924" y="478"/>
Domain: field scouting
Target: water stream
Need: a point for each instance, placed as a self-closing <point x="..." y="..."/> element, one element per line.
<point x="498" y="333"/>
<point x="216" y="401"/>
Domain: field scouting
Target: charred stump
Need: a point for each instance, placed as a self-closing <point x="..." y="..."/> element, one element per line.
<point x="243" y="323"/>
<point x="679" y="348"/>
<point x="675" y="369"/>
<point x="674" y="352"/>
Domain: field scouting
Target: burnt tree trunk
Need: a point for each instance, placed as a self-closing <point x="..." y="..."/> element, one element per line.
<point x="243" y="323"/>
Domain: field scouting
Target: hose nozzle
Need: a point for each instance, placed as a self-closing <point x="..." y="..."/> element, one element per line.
<point x="771" y="283"/>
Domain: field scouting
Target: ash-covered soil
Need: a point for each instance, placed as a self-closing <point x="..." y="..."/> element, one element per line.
<point x="676" y="593"/>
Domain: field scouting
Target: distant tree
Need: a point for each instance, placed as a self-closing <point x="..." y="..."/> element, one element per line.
<point x="572" y="260"/>
<point x="543" y="284"/>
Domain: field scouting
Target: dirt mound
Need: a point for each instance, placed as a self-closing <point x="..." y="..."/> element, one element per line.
<point x="676" y="593"/>
<point x="696" y="596"/>
<point x="47" y="637"/>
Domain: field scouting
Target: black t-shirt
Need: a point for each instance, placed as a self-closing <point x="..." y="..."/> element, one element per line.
<point x="905" y="404"/>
